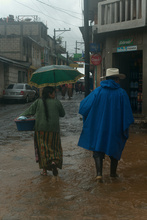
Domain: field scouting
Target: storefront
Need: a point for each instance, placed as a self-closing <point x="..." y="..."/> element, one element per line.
<point x="127" y="51"/>
<point x="131" y="65"/>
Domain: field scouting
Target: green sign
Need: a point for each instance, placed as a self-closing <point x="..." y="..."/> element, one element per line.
<point x="78" y="57"/>
<point x="125" y="42"/>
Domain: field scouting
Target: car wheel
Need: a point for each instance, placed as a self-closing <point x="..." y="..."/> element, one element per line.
<point x="27" y="99"/>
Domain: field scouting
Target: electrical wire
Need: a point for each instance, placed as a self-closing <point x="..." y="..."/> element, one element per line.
<point x="60" y="9"/>
<point x="45" y="14"/>
<point x="69" y="36"/>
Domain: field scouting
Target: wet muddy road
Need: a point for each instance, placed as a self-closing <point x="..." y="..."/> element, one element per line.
<point x="74" y="195"/>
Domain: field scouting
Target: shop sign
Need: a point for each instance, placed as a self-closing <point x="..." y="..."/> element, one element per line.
<point x="125" y="42"/>
<point x="126" y="49"/>
<point x="94" y="47"/>
<point x="96" y="59"/>
<point x="78" y="57"/>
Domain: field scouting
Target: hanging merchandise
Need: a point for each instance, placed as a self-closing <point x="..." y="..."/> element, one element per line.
<point x="136" y="87"/>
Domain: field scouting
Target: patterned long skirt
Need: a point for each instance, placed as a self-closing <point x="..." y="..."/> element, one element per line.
<point x="48" y="149"/>
<point x="69" y="92"/>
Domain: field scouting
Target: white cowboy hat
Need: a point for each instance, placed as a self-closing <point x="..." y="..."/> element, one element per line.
<point x="114" y="72"/>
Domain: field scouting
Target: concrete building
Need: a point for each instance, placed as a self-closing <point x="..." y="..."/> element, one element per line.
<point x="25" y="41"/>
<point x="119" y="29"/>
<point x="11" y="72"/>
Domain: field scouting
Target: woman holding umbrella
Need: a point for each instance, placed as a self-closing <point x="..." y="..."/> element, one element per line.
<point x="47" y="141"/>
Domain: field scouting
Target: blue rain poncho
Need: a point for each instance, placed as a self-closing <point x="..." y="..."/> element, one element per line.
<point x="107" y="115"/>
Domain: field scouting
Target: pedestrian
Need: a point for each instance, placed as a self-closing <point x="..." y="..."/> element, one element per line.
<point x="80" y="87"/>
<point x="47" y="141"/>
<point x="69" y="90"/>
<point x="76" y="87"/>
<point x="63" y="91"/>
<point x="107" y="115"/>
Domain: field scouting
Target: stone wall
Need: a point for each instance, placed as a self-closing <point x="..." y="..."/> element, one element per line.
<point x="10" y="47"/>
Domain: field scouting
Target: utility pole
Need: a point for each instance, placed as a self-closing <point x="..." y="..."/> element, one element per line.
<point x="55" y="46"/>
<point x="76" y="48"/>
<point x="87" y="58"/>
<point x="59" y="30"/>
<point x="66" y="53"/>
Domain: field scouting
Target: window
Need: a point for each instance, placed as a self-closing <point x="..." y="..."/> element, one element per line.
<point x="17" y="86"/>
<point x="10" y="86"/>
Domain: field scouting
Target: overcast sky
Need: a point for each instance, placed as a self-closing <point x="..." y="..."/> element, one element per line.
<point x="53" y="13"/>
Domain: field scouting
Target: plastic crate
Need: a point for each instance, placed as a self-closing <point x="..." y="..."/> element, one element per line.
<point x="25" y="125"/>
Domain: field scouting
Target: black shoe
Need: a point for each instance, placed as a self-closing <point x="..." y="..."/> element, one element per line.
<point x="114" y="175"/>
<point x="54" y="169"/>
<point x="99" y="166"/>
<point x="113" y="167"/>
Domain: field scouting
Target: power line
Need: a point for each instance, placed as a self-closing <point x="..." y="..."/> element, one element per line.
<point x="69" y="36"/>
<point x="44" y="14"/>
<point x="60" y="9"/>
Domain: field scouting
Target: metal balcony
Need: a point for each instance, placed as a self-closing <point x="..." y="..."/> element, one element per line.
<point x="114" y="15"/>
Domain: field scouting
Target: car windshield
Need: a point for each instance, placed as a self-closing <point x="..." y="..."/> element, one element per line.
<point x="17" y="86"/>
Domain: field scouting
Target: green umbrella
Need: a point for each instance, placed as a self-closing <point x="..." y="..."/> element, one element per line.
<point x="54" y="75"/>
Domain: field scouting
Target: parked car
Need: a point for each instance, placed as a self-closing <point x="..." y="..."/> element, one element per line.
<point x="19" y="91"/>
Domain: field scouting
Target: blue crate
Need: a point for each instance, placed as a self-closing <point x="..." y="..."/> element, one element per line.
<point x="25" y="125"/>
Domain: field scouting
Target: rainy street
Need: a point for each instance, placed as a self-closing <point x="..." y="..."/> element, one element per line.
<point x="74" y="194"/>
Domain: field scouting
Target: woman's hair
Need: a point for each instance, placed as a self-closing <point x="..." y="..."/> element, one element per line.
<point x="45" y="95"/>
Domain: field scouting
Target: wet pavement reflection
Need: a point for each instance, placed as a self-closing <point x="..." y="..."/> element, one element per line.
<point x="74" y="194"/>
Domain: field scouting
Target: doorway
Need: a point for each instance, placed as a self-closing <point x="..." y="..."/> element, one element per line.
<point x="130" y="64"/>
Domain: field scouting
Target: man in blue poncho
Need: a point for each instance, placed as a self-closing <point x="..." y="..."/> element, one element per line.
<point x="107" y="115"/>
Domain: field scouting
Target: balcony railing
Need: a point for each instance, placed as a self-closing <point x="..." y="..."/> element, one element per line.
<point x="121" y="14"/>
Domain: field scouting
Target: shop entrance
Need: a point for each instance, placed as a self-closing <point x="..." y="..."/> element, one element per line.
<point x="130" y="63"/>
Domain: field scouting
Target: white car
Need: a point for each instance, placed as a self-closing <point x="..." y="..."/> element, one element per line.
<point x="19" y="91"/>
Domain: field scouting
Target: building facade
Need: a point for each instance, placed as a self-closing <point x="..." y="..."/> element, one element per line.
<point x="120" y="28"/>
<point x="11" y="72"/>
<point x="25" y="41"/>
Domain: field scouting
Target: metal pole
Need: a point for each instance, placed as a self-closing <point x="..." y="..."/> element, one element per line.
<point x="76" y="47"/>
<point x="87" y="59"/>
<point x="55" y="45"/>
<point x="66" y="55"/>
<point x="55" y="39"/>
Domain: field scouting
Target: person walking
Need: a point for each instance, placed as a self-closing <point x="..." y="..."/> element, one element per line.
<point x="107" y="115"/>
<point x="69" y="90"/>
<point x="76" y="87"/>
<point x="63" y="90"/>
<point x="47" y="141"/>
<point x="80" y="87"/>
